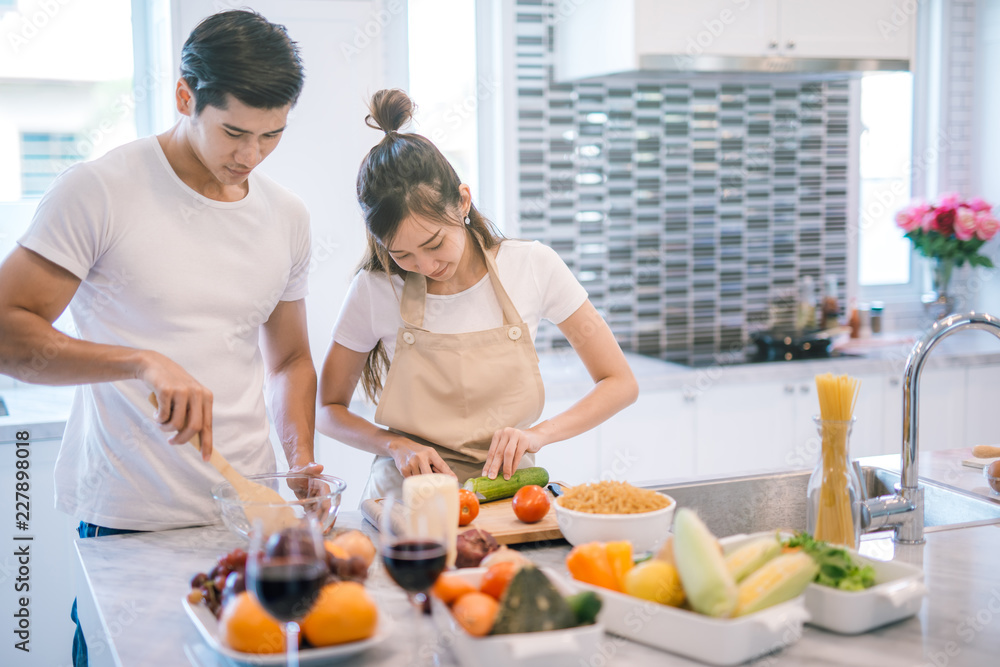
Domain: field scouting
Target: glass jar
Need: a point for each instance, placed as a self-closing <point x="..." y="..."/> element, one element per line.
<point x="833" y="509"/>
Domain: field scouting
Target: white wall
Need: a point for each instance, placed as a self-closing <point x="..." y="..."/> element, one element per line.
<point x="985" y="166"/>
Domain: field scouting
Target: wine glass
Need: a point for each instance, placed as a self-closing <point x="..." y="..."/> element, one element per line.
<point x="412" y="543"/>
<point x="286" y="569"/>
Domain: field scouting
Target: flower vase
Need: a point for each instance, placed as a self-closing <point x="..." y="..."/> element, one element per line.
<point x="940" y="301"/>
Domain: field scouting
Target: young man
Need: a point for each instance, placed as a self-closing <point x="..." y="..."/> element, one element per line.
<point x="185" y="272"/>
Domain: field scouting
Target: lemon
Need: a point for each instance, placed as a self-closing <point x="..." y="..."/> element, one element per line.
<point x="655" y="580"/>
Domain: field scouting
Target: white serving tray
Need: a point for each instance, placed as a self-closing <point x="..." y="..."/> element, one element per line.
<point x="556" y="648"/>
<point x="208" y="626"/>
<point x="717" y="641"/>
<point x="898" y="593"/>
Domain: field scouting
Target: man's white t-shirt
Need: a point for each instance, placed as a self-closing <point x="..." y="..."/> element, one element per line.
<point x="537" y="280"/>
<point x="164" y="268"/>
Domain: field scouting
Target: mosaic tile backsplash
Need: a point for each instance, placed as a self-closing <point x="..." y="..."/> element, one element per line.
<point x="688" y="208"/>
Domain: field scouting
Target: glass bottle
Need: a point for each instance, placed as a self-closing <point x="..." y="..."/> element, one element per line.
<point x="833" y="509"/>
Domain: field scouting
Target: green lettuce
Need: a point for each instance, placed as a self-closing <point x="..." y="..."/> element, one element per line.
<point x="836" y="567"/>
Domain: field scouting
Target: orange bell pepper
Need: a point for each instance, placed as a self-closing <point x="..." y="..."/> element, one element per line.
<point x="589" y="563"/>
<point x="620" y="558"/>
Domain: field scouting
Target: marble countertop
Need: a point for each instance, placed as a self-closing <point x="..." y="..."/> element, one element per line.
<point x="138" y="582"/>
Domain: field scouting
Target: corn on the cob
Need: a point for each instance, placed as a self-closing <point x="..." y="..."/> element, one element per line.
<point x="752" y="556"/>
<point x="781" y="579"/>
<point x="707" y="583"/>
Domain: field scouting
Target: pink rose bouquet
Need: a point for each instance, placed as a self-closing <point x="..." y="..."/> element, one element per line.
<point x="951" y="230"/>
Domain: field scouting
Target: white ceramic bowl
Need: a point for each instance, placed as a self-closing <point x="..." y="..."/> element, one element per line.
<point x="556" y="648"/>
<point x="645" y="530"/>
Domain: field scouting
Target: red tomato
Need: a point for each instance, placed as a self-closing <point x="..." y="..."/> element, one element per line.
<point x="468" y="507"/>
<point x="531" y="503"/>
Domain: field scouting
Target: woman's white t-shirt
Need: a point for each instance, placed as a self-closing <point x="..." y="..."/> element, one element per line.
<point x="537" y="280"/>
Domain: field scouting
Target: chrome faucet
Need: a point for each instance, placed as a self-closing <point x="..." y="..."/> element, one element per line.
<point x="903" y="511"/>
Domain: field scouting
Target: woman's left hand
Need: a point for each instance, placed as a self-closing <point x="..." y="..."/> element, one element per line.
<point x="508" y="446"/>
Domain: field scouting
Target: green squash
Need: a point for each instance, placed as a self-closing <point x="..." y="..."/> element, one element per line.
<point x="532" y="604"/>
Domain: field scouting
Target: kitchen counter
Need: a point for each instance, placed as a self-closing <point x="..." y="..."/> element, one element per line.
<point x="40" y="410"/>
<point x="565" y="375"/>
<point x="137" y="583"/>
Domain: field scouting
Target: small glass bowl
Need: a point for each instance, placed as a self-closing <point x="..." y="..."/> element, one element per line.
<point x="313" y="495"/>
<point x="992" y="480"/>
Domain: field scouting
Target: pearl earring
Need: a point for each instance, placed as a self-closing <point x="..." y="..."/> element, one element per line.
<point x="467" y="221"/>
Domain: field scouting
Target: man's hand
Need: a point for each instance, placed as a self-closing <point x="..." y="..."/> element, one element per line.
<point x="301" y="486"/>
<point x="182" y="403"/>
<point x="415" y="459"/>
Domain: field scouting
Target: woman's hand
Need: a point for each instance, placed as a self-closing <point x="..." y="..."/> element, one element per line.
<point x="415" y="459"/>
<point x="508" y="446"/>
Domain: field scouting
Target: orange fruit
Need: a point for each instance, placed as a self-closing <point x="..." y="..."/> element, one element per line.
<point x="343" y="613"/>
<point x="245" y="626"/>
<point x="497" y="578"/>
<point x="476" y="612"/>
<point x="450" y="587"/>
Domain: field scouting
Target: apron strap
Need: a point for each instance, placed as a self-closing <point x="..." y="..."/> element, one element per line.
<point x="411" y="305"/>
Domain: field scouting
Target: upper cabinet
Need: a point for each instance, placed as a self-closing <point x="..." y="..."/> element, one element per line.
<point x="606" y="37"/>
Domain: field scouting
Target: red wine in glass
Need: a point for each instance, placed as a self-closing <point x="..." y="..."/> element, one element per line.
<point x="414" y="564"/>
<point x="288" y="589"/>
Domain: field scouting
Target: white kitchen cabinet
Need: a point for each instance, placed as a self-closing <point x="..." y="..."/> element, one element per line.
<point x="50" y="581"/>
<point x="868" y="437"/>
<point x="848" y="29"/>
<point x="942" y="401"/>
<point x="709" y="28"/>
<point x="743" y="427"/>
<point x="981" y="416"/>
<point x="604" y="37"/>
<point x="654" y="439"/>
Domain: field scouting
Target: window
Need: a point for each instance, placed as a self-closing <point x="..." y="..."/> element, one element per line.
<point x="442" y="38"/>
<point x="886" y="139"/>
<point x="43" y="156"/>
<point x="65" y="96"/>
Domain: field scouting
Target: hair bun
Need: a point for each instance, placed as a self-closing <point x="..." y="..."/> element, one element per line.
<point x="389" y="110"/>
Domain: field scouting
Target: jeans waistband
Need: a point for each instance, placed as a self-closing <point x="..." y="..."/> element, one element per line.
<point x="93" y="530"/>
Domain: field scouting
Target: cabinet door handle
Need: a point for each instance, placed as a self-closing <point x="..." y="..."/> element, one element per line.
<point x="789" y="389"/>
<point x="893" y="382"/>
<point x="773" y="44"/>
<point x="689" y="398"/>
<point x="804" y="389"/>
<point x="790" y="45"/>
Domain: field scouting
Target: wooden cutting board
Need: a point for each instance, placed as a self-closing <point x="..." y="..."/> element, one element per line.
<point x="496" y="518"/>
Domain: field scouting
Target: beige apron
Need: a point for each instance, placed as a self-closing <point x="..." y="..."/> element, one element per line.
<point x="453" y="391"/>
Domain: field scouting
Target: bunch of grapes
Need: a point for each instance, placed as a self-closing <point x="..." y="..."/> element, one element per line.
<point x="226" y="579"/>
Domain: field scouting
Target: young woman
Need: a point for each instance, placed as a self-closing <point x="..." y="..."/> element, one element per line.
<point x="438" y="326"/>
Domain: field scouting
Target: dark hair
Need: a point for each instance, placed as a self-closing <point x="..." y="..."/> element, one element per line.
<point x="405" y="174"/>
<point x="240" y="53"/>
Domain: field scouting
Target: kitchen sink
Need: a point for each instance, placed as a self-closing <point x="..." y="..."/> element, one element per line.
<point x="764" y="502"/>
